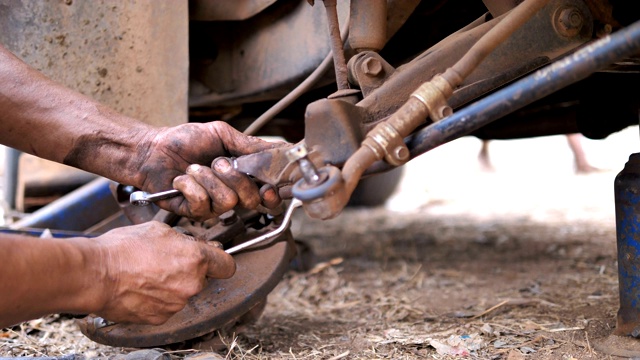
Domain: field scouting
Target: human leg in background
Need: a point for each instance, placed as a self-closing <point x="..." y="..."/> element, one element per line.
<point x="582" y="164"/>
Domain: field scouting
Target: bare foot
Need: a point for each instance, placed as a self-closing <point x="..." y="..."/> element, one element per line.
<point x="586" y="169"/>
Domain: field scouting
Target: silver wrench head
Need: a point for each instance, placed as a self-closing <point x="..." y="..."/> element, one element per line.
<point x="139" y="198"/>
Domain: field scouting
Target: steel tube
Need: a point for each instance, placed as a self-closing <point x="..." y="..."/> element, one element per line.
<point x="76" y="211"/>
<point x="10" y="179"/>
<point x="496" y="36"/>
<point x="337" y="47"/>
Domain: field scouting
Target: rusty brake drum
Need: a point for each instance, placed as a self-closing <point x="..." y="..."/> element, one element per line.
<point x="223" y="302"/>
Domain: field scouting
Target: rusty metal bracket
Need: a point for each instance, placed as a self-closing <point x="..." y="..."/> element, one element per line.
<point x="369" y="71"/>
<point x="538" y="38"/>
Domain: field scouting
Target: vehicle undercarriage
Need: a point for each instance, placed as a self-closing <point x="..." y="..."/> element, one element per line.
<point x="360" y="88"/>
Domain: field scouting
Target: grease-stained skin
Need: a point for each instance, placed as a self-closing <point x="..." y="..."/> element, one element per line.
<point x="143" y="273"/>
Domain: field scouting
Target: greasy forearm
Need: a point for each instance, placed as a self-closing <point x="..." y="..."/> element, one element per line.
<point x="44" y="276"/>
<point x="41" y="117"/>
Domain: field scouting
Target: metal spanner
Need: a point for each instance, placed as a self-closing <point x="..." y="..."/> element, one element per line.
<point x="295" y="203"/>
<point x="142" y="198"/>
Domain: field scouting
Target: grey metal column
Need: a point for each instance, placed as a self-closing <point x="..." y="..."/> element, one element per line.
<point x="10" y="177"/>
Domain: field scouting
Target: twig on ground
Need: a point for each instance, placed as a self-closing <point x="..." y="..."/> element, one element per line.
<point x="324" y="265"/>
<point x="341" y="356"/>
<point x="514" y="302"/>
<point x="490" y="309"/>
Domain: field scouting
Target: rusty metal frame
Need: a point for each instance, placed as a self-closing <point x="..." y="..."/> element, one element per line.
<point x="536" y="43"/>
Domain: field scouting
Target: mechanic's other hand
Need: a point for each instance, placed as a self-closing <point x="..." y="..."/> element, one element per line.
<point x="152" y="270"/>
<point x="191" y="158"/>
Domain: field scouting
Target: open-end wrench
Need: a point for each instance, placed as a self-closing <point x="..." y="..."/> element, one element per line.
<point x="295" y="203"/>
<point x="142" y="198"/>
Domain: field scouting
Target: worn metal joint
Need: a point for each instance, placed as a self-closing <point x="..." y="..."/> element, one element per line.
<point x="434" y="94"/>
<point x="386" y="142"/>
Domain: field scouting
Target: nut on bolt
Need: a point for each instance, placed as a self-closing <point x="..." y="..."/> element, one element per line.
<point x="569" y="22"/>
<point x="371" y="67"/>
<point x="228" y="218"/>
<point x="401" y="153"/>
<point x="300" y="154"/>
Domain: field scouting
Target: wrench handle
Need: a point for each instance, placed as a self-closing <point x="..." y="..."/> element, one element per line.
<point x="142" y="198"/>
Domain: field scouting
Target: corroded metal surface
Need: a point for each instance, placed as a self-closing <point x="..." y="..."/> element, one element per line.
<point x="367" y="25"/>
<point x="223" y="302"/>
<point x="328" y="119"/>
<point x="369" y="71"/>
<point x="252" y="62"/>
<point x="337" y="46"/>
<point x="536" y="38"/>
<point x="220" y="304"/>
<point x="598" y="55"/>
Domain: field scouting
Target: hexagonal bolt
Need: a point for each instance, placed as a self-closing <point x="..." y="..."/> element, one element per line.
<point x="569" y="22"/>
<point x="300" y="154"/>
<point x="371" y="67"/>
<point x="228" y="218"/>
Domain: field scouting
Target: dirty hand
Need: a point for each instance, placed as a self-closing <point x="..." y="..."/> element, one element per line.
<point x="150" y="271"/>
<point x="190" y="158"/>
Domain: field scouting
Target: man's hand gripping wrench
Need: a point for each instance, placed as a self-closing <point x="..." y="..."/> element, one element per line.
<point x="297" y="154"/>
<point x="141" y="198"/>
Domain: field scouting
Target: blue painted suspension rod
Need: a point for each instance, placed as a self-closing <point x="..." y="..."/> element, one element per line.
<point x="578" y="66"/>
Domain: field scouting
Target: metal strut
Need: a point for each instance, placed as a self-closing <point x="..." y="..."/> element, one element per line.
<point x="597" y="56"/>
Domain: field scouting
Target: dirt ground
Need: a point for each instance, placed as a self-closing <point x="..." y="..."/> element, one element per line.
<point x="518" y="263"/>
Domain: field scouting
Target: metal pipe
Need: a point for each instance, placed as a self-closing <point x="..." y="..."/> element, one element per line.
<point x="10" y="179"/>
<point x="357" y="164"/>
<point x="76" y="211"/>
<point x="496" y="36"/>
<point x="282" y="104"/>
<point x="622" y="44"/>
<point x="337" y="47"/>
<point x="429" y="99"/>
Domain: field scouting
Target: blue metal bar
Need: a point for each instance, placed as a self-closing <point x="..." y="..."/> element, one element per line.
<point x="38" y="232"/>
<point x="76" y="211"/>
<point x="597" y="56"/>
<point x="622" y="44"/>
